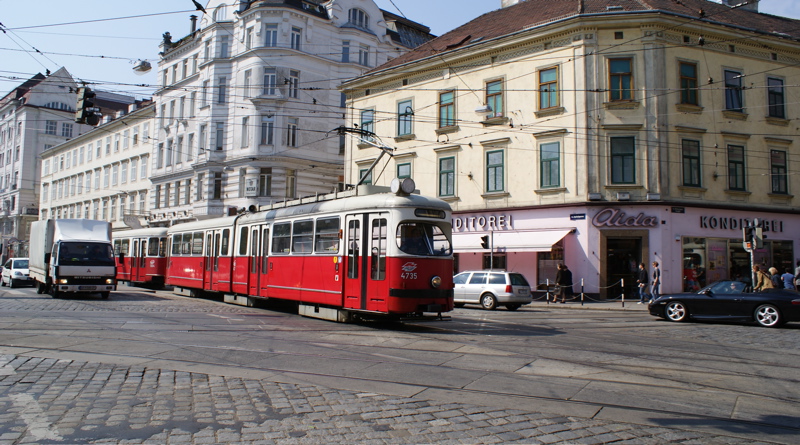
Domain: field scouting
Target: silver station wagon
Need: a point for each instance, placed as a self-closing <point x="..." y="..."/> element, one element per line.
<point x="491" y="289"/>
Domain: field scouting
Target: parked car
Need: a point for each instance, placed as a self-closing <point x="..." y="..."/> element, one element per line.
<point x="15" y="272"/>
<point x="491" y="288"/>
<point x="730" y="300"/>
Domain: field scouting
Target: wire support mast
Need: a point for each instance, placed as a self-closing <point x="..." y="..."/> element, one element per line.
<point x="368" y="138"/>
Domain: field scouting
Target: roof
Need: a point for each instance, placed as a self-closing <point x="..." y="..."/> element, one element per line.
<point x="531" y="13"/>
<point x="22" y="89"/>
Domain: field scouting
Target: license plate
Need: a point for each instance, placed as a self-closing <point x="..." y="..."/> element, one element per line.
<point x="522" y="292"/>
<point x="87" y="287"/>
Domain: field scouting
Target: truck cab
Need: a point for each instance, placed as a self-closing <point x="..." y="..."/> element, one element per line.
<point x="82" y="266"/>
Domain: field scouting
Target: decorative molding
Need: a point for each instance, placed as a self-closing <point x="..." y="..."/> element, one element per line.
<point x="544" y="134"/>
<point x="493" y="142"/>
<point x="735" y="115"/>
<point x="622" y="105"/>
<point x="689" y="108"/>
<point x="730" y="134"/>
<point x="683" y="129"/>
<point x="777" y="121"/>
<point x="622" y="127"/>
<point x="448" y="129"/>
<point x="772" y="140"/>
<point x="549" y="112"/>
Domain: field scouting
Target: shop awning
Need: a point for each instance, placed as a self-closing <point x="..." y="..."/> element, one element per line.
<point x="510" y="241"/>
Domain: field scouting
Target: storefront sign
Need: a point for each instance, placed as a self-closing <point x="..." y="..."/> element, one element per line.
<point x="482" y="223"/>
<point x="617" y="218"/>
<point x="722" y="223"/>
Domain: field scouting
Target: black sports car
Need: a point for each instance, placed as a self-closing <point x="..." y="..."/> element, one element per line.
<point x="730" y="300"/>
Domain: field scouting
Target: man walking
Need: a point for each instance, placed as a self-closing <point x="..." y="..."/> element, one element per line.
<point x="655" y="288"/>
<point x="564" y="282"/>
<point x="641" y="281"/>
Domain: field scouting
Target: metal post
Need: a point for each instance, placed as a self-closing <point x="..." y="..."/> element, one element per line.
<point x="491" y="249"/>
<point x="547" y="290"/>
<point x="622" y="281"/>
<point x="582" y="294"/>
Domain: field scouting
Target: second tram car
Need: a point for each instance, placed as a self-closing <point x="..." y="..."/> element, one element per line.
<point x="387" y="254"/>
<point x="141" y="256"/>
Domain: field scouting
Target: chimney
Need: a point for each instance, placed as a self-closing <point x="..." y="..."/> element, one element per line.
<point x="507" y="3"/>
<point x="193" y="19"/>
<point x="747" y="5"/>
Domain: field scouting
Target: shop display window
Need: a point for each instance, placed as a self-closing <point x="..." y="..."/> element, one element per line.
<point x="546" y="263"/>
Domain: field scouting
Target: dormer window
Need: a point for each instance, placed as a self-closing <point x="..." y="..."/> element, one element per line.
<point x="220" y="13"/>
<point x="359" y="18"/>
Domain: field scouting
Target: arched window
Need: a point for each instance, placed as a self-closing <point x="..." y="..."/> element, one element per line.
<point x="220" y="13"/>
<point x="359" y="18"/>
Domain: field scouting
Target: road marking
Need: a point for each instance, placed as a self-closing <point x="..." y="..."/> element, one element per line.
<point x="36" y="419"/>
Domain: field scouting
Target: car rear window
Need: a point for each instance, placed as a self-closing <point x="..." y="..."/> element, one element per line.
<point x="497" y="278"/>
<point x="478" y="278"/>
<point x="518" y="280"/>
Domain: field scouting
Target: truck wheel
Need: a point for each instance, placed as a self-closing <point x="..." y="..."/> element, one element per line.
<point x="54" y="291"/>
<point x="104" y="295"/>
<point x="40" y="288"/>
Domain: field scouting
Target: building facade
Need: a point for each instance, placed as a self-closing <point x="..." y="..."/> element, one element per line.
<point x="600" y="135"/>
<point x="249" y="101"/>
<point x="102" y="174"/>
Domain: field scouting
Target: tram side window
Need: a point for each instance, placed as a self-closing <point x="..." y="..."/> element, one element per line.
<point x="423" y="239"/>
<point x="226" y="238"/>
<point x="176" y="244"/>
<point x="281" y="238"/>
<point x="117" y="244"/>
<point x="152" y="247"/>
<point x="197" y="244"/>
<point x="354" y="240"/>
<point x="186" y="245"/>
<point x="302" y="236"/>
<point x="327" y="236"/>
<point x="243" y="241"/>
<point x="378" y="267"/>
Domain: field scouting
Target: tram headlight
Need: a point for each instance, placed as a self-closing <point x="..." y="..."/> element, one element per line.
<point x="436" y="281"/>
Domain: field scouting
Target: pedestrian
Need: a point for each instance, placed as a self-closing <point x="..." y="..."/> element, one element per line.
<point x="775" y="277"/>
<point x="641" y="281"/>
<point x="564" y="283"/>
<point x="797" y="276"/>
<point x="762" y="280"/>
<point x="655" y="288"/>
<point x="788" y="279"/>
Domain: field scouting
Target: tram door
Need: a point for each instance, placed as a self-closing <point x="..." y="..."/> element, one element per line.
<point x="143" y="258"/>
<point x="263" y="277"/>
<point x="134" y="260"/>
<point x="365" y="262"/>
<point x="208" y="260"/>
<point x="255" y="260"/>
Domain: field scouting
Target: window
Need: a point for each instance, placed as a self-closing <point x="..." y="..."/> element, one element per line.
<point x="248" y="38"/>
<point x="106" y="176"/>
<point x="157" y="203"/>
<point x="265" y="182"/>
<point x="114" y="174"/>
<point x="359" y="18"/>
<point x="378" y="251"/>
<point x="447" y="109"/>
<point x="494" y="97"/>
<point x="691" y="163"/>
<point x="181" y="110"/>
<point x="221" y="91"/>
<point x="219" y="136"/>
<point x="494" y="171"/>
<point x="168" y="158"/>
<point x="135" y="139"/>
<point x="66" y="130"/>
<point x="405" y="118"/>
<point x="733" y="91"/>
<point x="190" y="147"/>
<point x="688" y="74"/>
<point x="353" y="254"/>
<point x="179" y="150"/>
<point x="223" y="46"/>
<point x="302" y="236"/>
<point x="108" y="145"/>
<point x="201" y="140"/>
<point x="775" y="98"/>
<point x="200" y="184"/>
<point x="217" y="193"/>
<point x="326" y="236"/>
<point x="778" y="169"/>
<point x="736" y="167"/>
<point x="134" y="166"/>
<point x="271" y="35"/>
<point x="192" y="102"/>
<point x="363" y="55"/>
<point x="345" y="51"/>
<point x="143" y="171"/>
<point x="550" y="161"/>
<point x="291" y="183"/>
<point x="177" y="198"/>
<point x="97" y="179"/>
<point x="620" y="79"/>
<point x="291" y="132"/>
<point x="203" y="94"/>
<point x="623" y="160"/>
<point x="245" y="131"/>
<point x="294" y="83"/>
<point x="187" y="191"/>
<point x="548" y="88"/>
<point x="296" y="34"/>
<point x="248" y="74"/>
<point x="50" y="127"/>
<point x="368" y="121"/>
<point x="267" y="130"/>
<point x="116" y="143"/>
<point x="366" y="174"/>
<point x="404" y="170"/>
<point x="270" y="81"/>
<point x="281" y="237"/>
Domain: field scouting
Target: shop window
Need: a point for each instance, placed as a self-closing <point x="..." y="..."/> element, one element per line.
<point x="494" y="262"/>
<point x="546" y="263"/>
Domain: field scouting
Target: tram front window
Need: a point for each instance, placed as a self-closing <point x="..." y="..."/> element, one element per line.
<point x="422" y="239"/>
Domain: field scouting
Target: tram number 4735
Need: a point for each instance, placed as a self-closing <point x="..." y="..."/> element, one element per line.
<point x="408" y="275"/>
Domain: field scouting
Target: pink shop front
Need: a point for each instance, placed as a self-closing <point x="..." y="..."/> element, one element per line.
<point x="603" y="244"/>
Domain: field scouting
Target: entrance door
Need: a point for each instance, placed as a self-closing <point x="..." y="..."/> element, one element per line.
<point x="623" y="256"/>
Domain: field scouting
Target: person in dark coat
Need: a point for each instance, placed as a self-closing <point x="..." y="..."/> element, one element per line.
<point x="642" y="279"/>
<point x="564" y="282"/>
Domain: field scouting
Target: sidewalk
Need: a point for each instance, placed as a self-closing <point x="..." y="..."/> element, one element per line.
<point x="539" y="302"/>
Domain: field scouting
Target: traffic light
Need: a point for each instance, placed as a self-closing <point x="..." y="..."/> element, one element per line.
<point x="85" y="110"/>
<point x="485" y="242"/>
<point x="758" y="238"/>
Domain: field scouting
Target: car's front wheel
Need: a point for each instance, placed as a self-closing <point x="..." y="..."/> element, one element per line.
<point x="676" y="311"/>
<point x="768" y="316"/>
<point x="488" y="301"/>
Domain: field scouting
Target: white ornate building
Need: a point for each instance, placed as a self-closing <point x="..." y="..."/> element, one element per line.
<point x="248" y="101"/>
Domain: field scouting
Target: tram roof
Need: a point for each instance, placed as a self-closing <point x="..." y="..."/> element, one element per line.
<point x="149" y="231"/>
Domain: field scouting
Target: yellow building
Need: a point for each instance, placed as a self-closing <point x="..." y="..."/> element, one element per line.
<point x="599" y="134"/>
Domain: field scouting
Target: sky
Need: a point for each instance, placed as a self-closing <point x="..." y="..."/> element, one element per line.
<point x="104" y="51"/>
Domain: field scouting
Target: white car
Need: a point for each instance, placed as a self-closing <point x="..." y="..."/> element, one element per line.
<point x="15" y="272"/>
<point x="491" y="288"/>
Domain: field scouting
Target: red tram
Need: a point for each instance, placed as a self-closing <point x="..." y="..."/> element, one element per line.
<point x="386" y="254"/>
<point x="141" y="255"/>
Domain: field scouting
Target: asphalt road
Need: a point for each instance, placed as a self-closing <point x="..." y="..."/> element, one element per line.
<point x="566" y="374"/>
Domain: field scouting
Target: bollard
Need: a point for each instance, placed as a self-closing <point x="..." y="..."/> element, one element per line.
<point x="547" y="290"/>
<point x="582" y="294"/>
<point x="622" y="282"/>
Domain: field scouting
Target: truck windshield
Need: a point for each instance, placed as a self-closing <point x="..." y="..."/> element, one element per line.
<point x="418" y="238"/>
<point x="86" y="254"/>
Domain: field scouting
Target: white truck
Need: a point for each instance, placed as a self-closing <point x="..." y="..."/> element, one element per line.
<point x="72" y="255"/>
